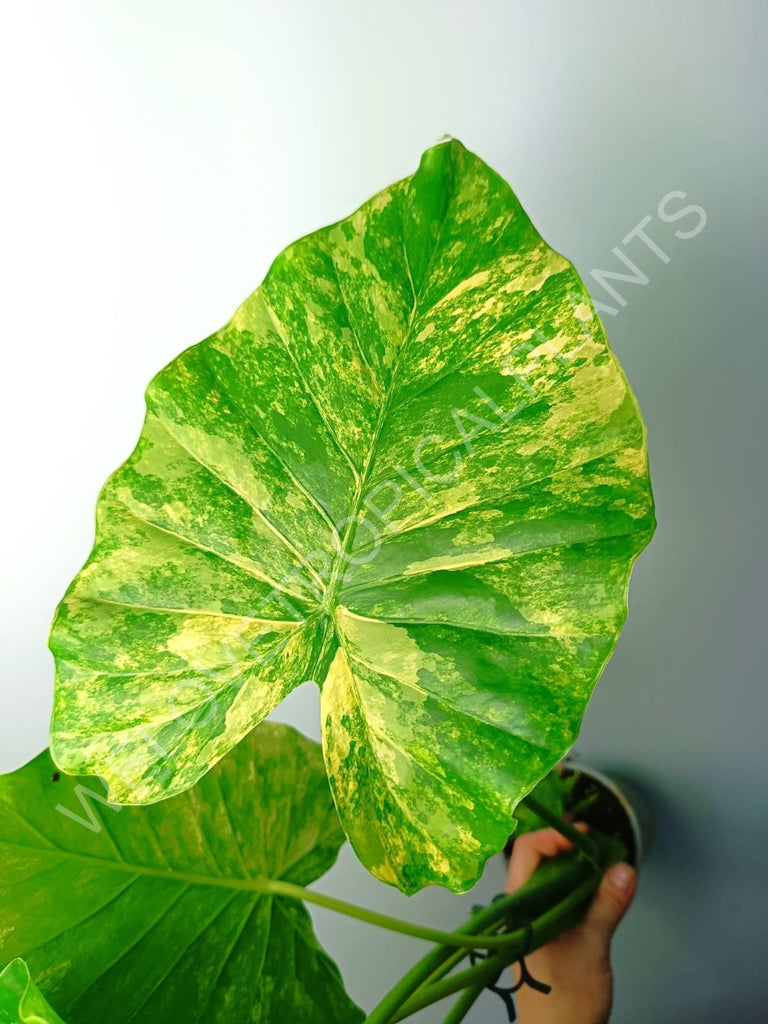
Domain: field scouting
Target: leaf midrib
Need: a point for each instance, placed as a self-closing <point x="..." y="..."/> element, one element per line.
<point x="259" y="884"/>
<point x="337" y="572"/>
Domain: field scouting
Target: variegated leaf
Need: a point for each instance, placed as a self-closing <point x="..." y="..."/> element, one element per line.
<point x="408" y="468"/>
<point x="137" y="915"/>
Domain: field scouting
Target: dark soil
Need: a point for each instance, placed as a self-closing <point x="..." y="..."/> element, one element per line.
<point x="604" y="811"/>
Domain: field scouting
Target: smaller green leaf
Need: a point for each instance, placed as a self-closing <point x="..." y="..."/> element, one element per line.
<point x="143" y="915"/>
<point x="21" y="1001"/>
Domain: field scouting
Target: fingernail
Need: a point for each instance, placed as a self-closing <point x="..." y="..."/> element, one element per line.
<point x="622" y="876"/>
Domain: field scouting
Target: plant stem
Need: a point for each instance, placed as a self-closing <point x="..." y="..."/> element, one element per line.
<point x="452" y="939"/>
<point x="549" y="880"/>
<point x="581" y="841"/>
<point x="550" y="924"/>
<point x="447" y="965"/>
<point x="554" y="879"/>
<point x="464" y="1004"/>
<point x="387" y="1009"/>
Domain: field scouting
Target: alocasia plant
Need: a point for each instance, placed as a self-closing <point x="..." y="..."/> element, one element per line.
<point x="164" y="913"/>
<point x="409" y="468"/>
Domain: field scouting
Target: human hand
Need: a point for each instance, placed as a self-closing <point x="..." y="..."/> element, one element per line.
<point x="576" y="964"/>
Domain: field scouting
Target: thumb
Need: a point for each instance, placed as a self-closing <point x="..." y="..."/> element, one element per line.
<point x="611" y="902"/>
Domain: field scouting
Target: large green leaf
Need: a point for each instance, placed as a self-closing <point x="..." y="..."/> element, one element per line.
<point x="408" y="468"/>
<point x="148" y="914"/>
<point x="21" y="1001"/>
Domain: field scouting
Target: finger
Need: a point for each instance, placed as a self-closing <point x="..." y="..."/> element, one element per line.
<point x="529" y="850"/>
<point x="610" y="904"/>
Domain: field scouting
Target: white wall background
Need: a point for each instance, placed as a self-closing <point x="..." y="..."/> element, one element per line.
<point x="157" y="156"/>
